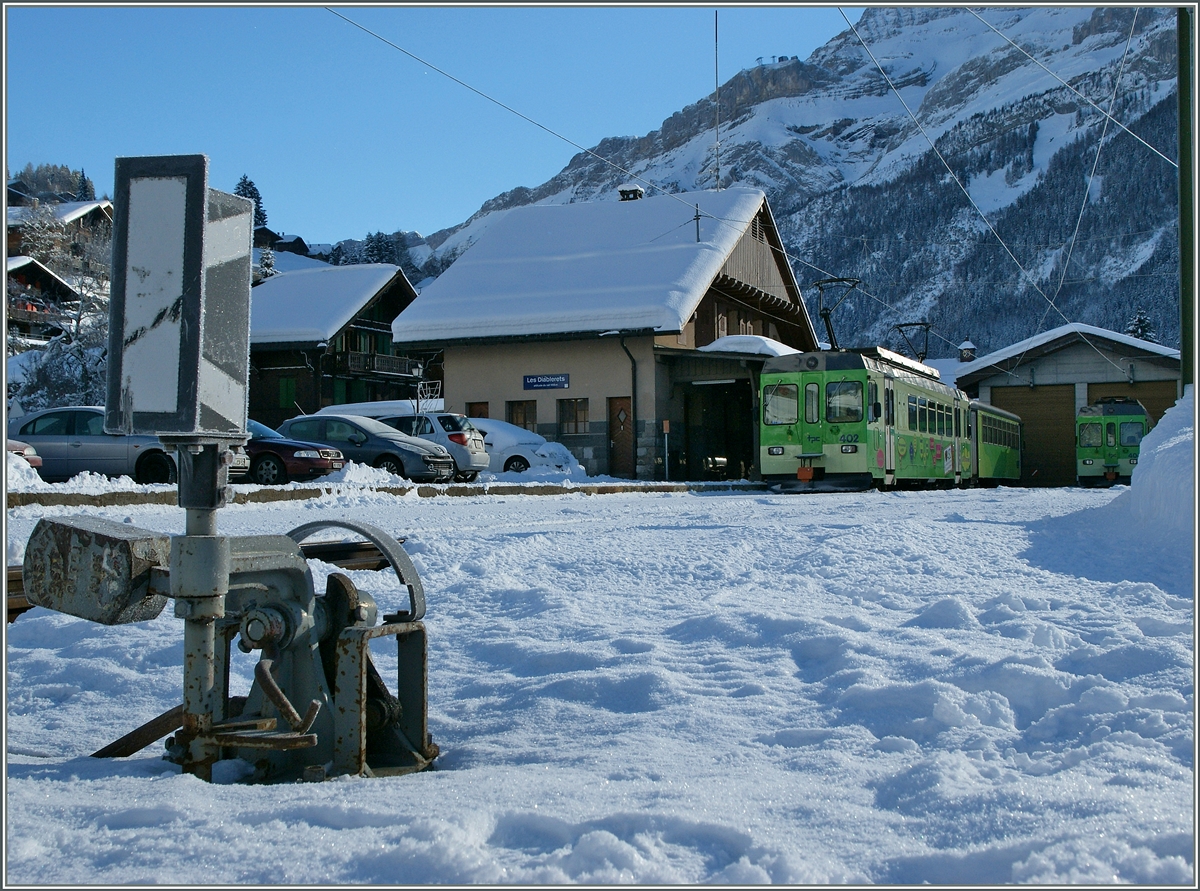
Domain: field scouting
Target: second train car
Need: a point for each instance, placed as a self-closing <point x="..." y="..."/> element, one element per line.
<point x="849" y="420"/>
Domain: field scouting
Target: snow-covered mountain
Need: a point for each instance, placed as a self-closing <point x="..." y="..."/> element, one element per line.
<point x="1010" y="97"/>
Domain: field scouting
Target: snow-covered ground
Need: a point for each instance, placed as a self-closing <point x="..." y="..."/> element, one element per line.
<point x="982" y="686"/>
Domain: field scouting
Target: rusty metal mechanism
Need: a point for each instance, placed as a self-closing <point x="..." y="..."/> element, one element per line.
<point x="317" y="707"/>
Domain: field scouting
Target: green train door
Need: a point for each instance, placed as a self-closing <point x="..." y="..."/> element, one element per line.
<point x="810" y="430"/>
<point x="889" y="432"/>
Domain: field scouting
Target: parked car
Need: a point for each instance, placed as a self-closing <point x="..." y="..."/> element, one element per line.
<point x="275" y="459"/>
<point x="454" y="432"/>
<point x="71" y="440"/>
<point x="26" y="451"/>
<point x="514" y="449"/>
<point x="372" y="442"/>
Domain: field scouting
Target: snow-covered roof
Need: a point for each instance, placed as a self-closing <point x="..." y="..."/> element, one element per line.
<point x="286" y="261"/>
<point x="312" y="305"/>
<point x="748" y="343"/>
<point x="66" y="212"/>
<point x="15" y="263"/>
<point x="1048" y="337"/>
<point x="598" y="266"/>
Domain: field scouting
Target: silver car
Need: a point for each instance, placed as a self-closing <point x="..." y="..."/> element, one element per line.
<point x="454" y="432"/>
<point x="72" y="440"/>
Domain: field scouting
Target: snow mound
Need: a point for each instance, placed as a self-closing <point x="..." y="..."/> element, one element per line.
<point x="362" y="474"/>
<point x="19" y="476"/>
<point x="1160" y="503"/>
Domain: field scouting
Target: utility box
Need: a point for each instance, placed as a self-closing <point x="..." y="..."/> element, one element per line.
<point x="179" y="313"/>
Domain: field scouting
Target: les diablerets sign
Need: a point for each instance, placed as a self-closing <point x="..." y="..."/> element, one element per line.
<point x="547" y="381"/>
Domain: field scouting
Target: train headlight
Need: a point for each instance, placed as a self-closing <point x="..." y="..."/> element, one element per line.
<point x="1088" y="461"/>
<point x="775" y="450"/>
<point x="1133" y="460"/>
<point x="849" y="449"/>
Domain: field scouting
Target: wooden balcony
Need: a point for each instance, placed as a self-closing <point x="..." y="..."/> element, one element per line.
<point x="373" y="363"/>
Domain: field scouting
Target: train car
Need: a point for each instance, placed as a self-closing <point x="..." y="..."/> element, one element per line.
<point x="995" y="436"/>
<point x="849" y="420"/>
<point x="1108" y="438"/>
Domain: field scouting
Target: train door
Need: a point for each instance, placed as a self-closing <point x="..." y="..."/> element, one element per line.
<point x="957" y="446"/>
<point x="889" y="431"/>
<point x="812" y="434"/>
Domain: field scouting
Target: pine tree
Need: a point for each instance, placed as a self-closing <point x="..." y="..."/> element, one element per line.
<point x="1141" y="327"/>
<point x="246" y="189"/>
<point x="266" y="263"/>
<point x="84" y="190"/>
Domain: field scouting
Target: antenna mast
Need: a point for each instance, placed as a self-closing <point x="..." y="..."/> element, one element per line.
<point x="717" y="96"/>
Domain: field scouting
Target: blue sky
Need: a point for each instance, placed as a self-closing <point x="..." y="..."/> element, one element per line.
<point x="345" y="135"/>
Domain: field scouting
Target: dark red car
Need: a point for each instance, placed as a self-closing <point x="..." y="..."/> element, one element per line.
<point x="275" y="459"/>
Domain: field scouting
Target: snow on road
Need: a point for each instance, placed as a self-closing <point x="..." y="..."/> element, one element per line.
<point x="952" y="687"/>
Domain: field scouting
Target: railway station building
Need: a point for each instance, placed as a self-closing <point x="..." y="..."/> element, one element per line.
<point x="1047" y="378"/>
<point x="631" y="331"/>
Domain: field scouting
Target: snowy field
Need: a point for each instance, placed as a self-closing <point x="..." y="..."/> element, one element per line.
<point x="981" y="686"/>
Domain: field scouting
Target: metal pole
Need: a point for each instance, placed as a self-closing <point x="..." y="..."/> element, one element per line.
<point x="1187" y="223"/>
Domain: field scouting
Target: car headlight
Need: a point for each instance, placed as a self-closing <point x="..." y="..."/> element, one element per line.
<point x="306" y="453"/>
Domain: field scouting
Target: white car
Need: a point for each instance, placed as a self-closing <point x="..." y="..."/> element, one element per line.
<point x="514" y="449"/>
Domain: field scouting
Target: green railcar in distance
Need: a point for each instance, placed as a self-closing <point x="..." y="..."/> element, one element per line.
<point x="1108" y="439"/>
<point x="848" y="420"/>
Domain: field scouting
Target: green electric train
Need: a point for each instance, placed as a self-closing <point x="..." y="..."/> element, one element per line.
<point x="850" y="420"/>
<point x="1108" y="439"/>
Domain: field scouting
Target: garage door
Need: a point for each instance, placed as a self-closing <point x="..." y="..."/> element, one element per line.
<point x="1156" y="396"/>
<point x="1048" y="425"/>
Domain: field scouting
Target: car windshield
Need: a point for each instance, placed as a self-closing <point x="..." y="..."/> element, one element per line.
<point x="455" y="423"/>
<point x="261" y="431"/>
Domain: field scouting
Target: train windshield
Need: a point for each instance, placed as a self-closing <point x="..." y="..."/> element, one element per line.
<point x="1089" y="436"/>
<point x="1131" y="433"/>
<point x="780" y="404"/>
<point x="843" y="402"/>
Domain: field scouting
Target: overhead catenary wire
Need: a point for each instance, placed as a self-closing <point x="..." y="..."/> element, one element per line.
<point x="1107" y="115"/>
<point x="651" y="185"/>
<point x="958" y="182"/>
<point x="1091" y="177"/>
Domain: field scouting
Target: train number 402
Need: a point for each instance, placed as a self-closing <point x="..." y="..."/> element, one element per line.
<point x="848" y="437"/>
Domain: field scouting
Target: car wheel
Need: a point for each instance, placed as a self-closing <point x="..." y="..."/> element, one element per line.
<point x="516" y="464"/>
<point x="268" y="471"/>
<point x="392" y="465"/>
<point x="155" y="468"/>
<point x="466" y="476"/>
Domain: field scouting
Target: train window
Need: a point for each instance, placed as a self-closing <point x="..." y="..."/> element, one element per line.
<point x="843" y="402"/>
<point x="912" y="412"/>
<point x="1110" y="433"/>
<point x="957" y="428"/>
<point x="1131" y="433"/>
<point x="1089" y="436"/>
<point x="872" y="399"/>
<point x="941" y="420"/>
<point x="922" y="415"/>
<point x="781" y="404"/>
<point x="812" y="403"/>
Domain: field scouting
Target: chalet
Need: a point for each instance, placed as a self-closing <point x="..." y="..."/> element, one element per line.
<point x="83" y="223"/>
<point x="264" y="237"/>
<point x="36" y="296"/>
<point x="292" y="244"/>
<point x="1047" y="378"/>
<point x="322" y="336"/>
<point x="589" y="323"/>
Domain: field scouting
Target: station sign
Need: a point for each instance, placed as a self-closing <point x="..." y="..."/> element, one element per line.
<point x="547" y="381"/>
<point x="179" y="310"/>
